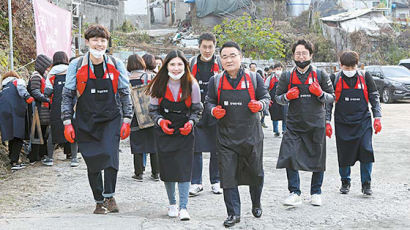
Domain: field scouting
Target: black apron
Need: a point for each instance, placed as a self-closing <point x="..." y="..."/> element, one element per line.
<point x="57" y="126"/>
<point x="141" y="140"/>
<point x="12" y="113"/>
<point x="239" y="140"/>
<point x="176" y="151"/>
<point x="98" y="123"/>
<point x="353" y="127"/>
<point x="276" y="110"/>
<point x="205" y="130"/>
<point x="303" y="145"/>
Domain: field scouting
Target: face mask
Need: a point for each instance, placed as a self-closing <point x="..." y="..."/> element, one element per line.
<point x="97" y="53"/>
<point x="278" y="73"/>
<point x="176" y="77"/>
<point x="349" y="73"/>
<point x="302" y="65"/>
<point x="207" y="59"/>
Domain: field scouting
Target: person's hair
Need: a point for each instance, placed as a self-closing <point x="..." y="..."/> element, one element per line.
<point x="230" y="44"/>
<point x="135" y="62"/>
<point x="60" y="57"/>
<point x="159" y="58"/>
<point x="207" y="37"/>
<point x="98" y="31"/>
<point x="277" y="65"/>
<point x="259" y="72"/>
<point x="149" y="60"/>
<point x="253" y="63"/>
<point x="266" y="69"/>
<point x="349" y="58"/>
<point x="10" y="74"/>
<point x="307" y="44"/>
<point x="271" y="67"/>
<point x="158" y="86"/>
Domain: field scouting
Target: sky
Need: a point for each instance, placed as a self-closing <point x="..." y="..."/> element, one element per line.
<point x="136" y="7"/>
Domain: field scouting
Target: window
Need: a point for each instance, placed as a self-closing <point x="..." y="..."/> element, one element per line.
<point x="167" y="10"/>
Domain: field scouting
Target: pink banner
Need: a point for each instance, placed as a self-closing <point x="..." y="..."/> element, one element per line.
<point x="53" y="28"/>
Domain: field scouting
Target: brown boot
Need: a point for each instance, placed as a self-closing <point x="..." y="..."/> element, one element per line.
<point x="100" y="209"/>
<point x="110" y="204"/>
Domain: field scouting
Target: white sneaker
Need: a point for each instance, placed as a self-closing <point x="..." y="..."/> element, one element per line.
<point x="195" y="189"/>
<point x="316" y="200"/>
<point x="183" y="215"/>
<point x="216" y="188"/>
<point x="293" y="200"/>
<point x="173" y="211"/>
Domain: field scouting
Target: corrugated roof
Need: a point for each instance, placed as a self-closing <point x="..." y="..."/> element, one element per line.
<point x="346" y="15"/>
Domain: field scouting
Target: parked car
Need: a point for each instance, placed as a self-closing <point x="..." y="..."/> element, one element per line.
<point x="405" y="63"/>
<point x="393" y="82"/>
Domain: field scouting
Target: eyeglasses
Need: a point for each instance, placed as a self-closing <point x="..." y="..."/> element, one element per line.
<point x="232" y="56"/>
<point x="302" y="54"/>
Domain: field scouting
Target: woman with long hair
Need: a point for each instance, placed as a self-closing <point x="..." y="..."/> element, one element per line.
<point x="175" y="108"/>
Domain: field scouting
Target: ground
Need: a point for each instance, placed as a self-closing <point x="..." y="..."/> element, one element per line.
<point x="59" y="197"/>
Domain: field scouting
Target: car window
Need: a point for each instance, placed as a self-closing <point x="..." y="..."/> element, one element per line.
<point x="396" y="72"/>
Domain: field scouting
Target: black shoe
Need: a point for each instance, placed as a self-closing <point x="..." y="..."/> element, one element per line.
<point x="231" y="221"/>
<point x="257" y="212"/>
<point x="264" y="125"/>
<point x="276" y="134"/>
<point x="155" y="177"/>
<point x="138" y="177"/>
<point x="366" y="188"/>
<point x="345" y="187"/>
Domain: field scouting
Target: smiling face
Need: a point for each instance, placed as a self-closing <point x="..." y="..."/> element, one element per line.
<point x="231" y="59"/>
<point x="302" y="54"/>
<point x="97" y="43"/>
<point x="176" y="66"/>
<point x="207" y="49"/>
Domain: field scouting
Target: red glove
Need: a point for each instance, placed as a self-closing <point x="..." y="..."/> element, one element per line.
<point x="164" y="126"/>
<point x="186" y="129"/>
<point x="218" y="112"/>
<point x="315" y="89"/>
<point x="255" y="106"/>
<point x="292" y="93"/>
<point x="30" y="100"/>
<point x="69" y="133"/>
<point x="329" y="130"/>
<point x="270" y="103"/>
<point x="377" y="125"/>
<point x="125" y="130"/>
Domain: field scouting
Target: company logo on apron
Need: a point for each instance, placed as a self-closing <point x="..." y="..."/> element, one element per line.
<point x="352" y="98"/>
<point x="310" y="81"/>
<point x="305" y="95"/>
<point x="60" y="83"/>
<point x="226" y="102"/>
<point x="166" y="110"/>
<point x="102" y="91"/>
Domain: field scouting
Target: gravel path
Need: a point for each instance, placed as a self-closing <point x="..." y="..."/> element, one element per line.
<point x="59" y="197"/>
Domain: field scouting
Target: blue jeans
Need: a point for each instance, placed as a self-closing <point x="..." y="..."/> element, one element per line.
<point x="365" y="172"/>
<point x="276" y="126"/>
<point x="233" y="200"/>
<point x="183" y="189"/>
<point x="294" y="182"/>
<point x="197" y="168"/>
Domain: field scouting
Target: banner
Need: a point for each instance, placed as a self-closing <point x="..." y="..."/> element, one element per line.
<point x="53" y="28"/>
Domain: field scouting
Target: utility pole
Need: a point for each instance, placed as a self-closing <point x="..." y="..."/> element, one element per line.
<point x="11" y="58"/>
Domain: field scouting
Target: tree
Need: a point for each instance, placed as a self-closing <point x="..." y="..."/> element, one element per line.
<point x="257" y="37"/>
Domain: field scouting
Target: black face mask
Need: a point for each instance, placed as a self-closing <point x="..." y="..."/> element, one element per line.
<point x="302" y="65"/>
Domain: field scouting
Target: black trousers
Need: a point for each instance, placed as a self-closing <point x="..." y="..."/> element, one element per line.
<point x="15" y="146"/>
<point x="139" y="163"/>
<point x="233" y="201"/>
<point x="103" y="190"/>
<point x="38" y="151"/>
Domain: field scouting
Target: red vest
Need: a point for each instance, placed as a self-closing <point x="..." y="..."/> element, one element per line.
<point x="272" y="82"/>
<point x="215" y="69"/>
<point x="360" y="84"/>
<point x="82" y="76"/>
<point x="295" y="79"/>
<point x="241" y="85"/>
<point x="170" y="97"/>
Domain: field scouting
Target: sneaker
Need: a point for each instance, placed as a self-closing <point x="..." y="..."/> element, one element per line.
<point x="216" y="188"/>
<point x="264" y="125"/>
<point x="276" y="135"/>
<point x="173" y="210"/>
<point x="138" y="177"/>
<point x="100" y="209"/>
<point x="47" y="161"/>
<point x="293" y="200"/>
<point x="184" y="215"/>
<point x="74" y="162"/>
<point x="16" y="166"/>
<point x="195" y="189"/>
<point x="155" y="177"/>
<point x="316" y="200"/>
<point x="366" y="189"/>
<point x="111" y="205"/>
<point x="345" y="187"/>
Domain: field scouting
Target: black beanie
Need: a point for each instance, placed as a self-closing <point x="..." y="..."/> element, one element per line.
<point x="42" y="63"/>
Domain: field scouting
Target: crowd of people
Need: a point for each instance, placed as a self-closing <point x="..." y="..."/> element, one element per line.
<point x="175" y="109"/>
